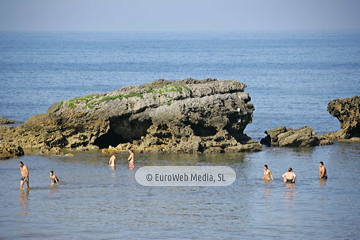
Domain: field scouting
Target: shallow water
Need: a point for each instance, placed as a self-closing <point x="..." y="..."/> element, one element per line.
<point x="96" y="202"/>
<point x="291" y="76"/>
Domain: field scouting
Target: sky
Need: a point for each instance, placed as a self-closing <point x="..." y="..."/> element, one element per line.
<point x="178" y="15"/>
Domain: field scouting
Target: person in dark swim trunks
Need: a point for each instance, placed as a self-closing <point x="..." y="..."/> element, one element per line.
<point x="289" y="176"/>
<point x="322" y="171"/>
<point x="53" y="178"/>
<point x="24" y="170"/>
<point x="25" y="179"/>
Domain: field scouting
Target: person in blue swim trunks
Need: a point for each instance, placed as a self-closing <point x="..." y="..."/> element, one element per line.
<point x="53" y="178"/>
<point x="289" y="176"/>
<point x="24" y="171"/>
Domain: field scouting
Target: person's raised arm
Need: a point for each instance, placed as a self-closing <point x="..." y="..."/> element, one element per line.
<point x="271" y="175"/>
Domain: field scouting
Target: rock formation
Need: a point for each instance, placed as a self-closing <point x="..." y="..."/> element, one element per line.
<point x="288" y="137"/>
<point x="163" y="116"/>
<point x="7" y="121"/>
<point x="347" y="111"/>
<point x="8" y="150"/>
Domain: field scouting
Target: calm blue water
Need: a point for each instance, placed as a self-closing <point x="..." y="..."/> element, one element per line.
<point x="291" y="76"/>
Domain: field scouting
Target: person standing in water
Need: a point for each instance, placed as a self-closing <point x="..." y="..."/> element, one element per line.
<point x="289" y="176"/>
<point x="267" y="174"/>
<point x="322" y="171"/>
<point x="53" y="178"/>
<point x="131" y="160"/>
<point x="112" y="161"/>
<point x="24" y="171"/>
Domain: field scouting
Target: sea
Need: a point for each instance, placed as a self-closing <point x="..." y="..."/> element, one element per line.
<point x="290" y="76"/>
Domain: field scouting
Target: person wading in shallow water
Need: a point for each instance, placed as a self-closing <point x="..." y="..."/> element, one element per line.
<point x="267" y="174"/>
<point x="112" y="161"/>
<point x="53" y="178"/>
<point x="24" y="170"/>
<point x="289" y="176"/>
<point x="131" y="160"/>
<point x="322" y="171"/>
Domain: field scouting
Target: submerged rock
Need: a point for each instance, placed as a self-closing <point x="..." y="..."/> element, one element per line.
<point x="288" y="137"/>
<point x="163" y="116"/>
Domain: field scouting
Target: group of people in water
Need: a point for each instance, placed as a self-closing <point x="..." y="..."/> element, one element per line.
<point x="131" y="160"/>
<point x="290" y="176"/>
<point x="24" y="170"/>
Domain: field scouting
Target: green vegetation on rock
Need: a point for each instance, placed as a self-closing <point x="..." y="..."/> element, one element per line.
<point x="91" y="101"/>
<point x="71" y="105"/>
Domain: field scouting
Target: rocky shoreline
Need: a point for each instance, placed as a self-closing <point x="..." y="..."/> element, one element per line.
<point x="288" y="137"/>
<point x="7" y="121"/>
<point x="186" y="116"/>
<point x="346" y="110"/>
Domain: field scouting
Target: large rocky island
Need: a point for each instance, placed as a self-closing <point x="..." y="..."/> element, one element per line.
<point x="186" y="116"/>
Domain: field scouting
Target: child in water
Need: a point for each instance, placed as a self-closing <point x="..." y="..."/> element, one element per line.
<point x="131" y="160"/>
<point x="53" y="178"/>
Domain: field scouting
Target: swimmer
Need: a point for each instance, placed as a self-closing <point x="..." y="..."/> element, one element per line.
<point x="112" y="160"/>
<point x="53" y="178"/>
<point x="267" y="174"/>
<point x="322" y="171"/>
<point x="289" y="176"/>
<point x="24" y="170"/>
<point x="131" y="160"/>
